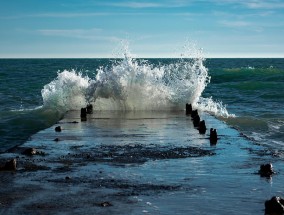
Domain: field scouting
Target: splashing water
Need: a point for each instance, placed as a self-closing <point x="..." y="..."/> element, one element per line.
<point x="131" y="84"/>
<point x="66" y="92"/>
<point x="213" y="107"/>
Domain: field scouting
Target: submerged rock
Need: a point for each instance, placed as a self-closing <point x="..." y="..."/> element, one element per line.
<point x="140" y="154"/>
<point x="30" y="151"/>
<point x="29" y="166"/>
<point x="274" y="206"/>
<point x="105" y="204"/>
<point x="266" y="170"/>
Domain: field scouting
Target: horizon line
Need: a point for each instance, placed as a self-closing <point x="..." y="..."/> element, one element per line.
<point x="219" y="57"/>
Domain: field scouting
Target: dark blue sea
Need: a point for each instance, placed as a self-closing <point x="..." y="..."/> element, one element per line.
<point x="247" y="94"/>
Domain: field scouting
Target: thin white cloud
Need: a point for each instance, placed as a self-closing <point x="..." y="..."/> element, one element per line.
<point x="69" y="15"/>
<point x="257" y="4"/>
<point x="253" y="4"/>
<point x="75" y="15"/>
<point x="235" y="24"/>
<point x="68" y="32"/>
<point x="242" y="25"/>
<point x="55" y="15"/>
<point x="86" y="34"/>
<point x="135" y="4"/>
<point x="243" y="15"/>
<point x="140" y="5"/>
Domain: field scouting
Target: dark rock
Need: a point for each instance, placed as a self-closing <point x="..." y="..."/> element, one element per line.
<point x="202" y="127"/>
<point x="56" y="139"/>
<point x="213" y="136"/>
<point x="67" y="178"/>
<point x="34" y="167"/>
<point x="188" y="109"/>
<point x="30" y="152"/>
<point x="40" y="153"/>
<point x="58" y="129"/>
<point x="9" y="166"/>
<point x="140" y="154"/>
<point x="89" y="109"/>
<point x="105" y="204"/>
<point x="266" y="170"/>
<point x="274" y="206"/>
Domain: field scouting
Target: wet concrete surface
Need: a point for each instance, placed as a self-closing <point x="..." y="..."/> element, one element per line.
<point x="135" y="163"/>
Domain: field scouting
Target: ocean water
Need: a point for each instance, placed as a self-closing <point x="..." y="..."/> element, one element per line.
<point x="247" y="94"/>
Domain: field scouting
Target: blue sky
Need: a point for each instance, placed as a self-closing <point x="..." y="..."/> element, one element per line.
<point x="95" y="28"/>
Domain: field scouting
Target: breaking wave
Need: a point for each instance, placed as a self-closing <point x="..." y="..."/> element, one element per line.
<point x="134" y="84"/>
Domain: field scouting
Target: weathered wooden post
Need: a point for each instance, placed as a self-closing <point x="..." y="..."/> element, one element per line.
<point x="188" y="109"/>
<point x="213" y="136"/>
<point x="89" y="109"/>
<point x="202" y="127"/>
<point x="196" y="120"/>
<point x="83" y="114"/>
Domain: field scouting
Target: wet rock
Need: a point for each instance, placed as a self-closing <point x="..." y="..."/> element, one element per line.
<point x="213" y="136"/>
<point x="105" y="204"/>
<point x="30" y="152"/>
<point x="58" y="129"/>
<point x="266" y="170"/>
<point x="139" y="154"/>
<point x="9" y="166"/>
<point x="202" y="127"/>
<point x="41" y="153"/>
<point x="274" y="206"/>
<point x="67" y="178"/>
<point x="56" y="139"/>
<point x="188" y="109"/>
<point x="34" y="167"/>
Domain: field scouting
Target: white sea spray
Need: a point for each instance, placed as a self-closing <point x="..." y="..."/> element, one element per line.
<point x="130" y="84"/>
<point x="66" y="92"/>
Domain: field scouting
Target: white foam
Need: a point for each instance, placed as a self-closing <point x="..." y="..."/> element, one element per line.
<point x="21" y="109"/>
<point x="66" y="92"/>
<point x="213" y="107"/>
<point x="131" y="84"/>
